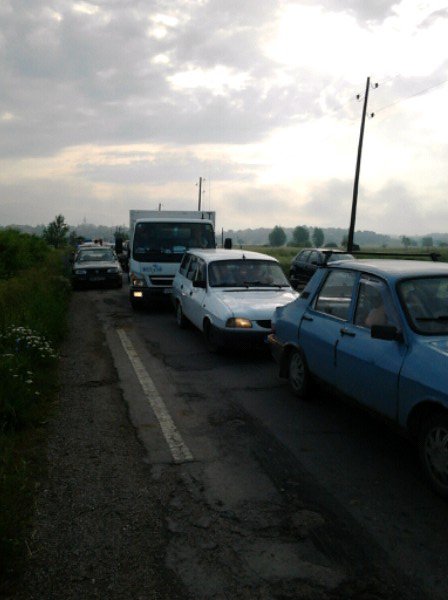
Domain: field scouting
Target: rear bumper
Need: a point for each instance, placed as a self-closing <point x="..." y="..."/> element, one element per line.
<point x="103" y="280"/>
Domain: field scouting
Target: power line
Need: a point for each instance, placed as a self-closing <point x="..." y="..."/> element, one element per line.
<point x="419" y="93"/>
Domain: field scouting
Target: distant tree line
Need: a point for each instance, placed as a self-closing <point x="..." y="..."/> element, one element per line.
<point x="302" y="237"/>
<point x="58" y="232"/>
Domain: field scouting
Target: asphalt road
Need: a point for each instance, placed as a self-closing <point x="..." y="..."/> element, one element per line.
<point x="269" y="497"/>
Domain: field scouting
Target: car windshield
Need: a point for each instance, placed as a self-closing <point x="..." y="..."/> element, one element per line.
<point x="95" y="255"/>
<point x="425" y="300"/>
<point x="246" y="273"/>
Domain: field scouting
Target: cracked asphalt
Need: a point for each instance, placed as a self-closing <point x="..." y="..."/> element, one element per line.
<point x="116" y="518"/>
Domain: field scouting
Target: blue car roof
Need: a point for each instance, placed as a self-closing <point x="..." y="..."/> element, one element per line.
<point x="394" y="269"/>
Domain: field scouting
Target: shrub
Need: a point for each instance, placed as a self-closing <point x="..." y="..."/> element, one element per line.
<point x="34" y="294"/>
<point x="20" y="251"/>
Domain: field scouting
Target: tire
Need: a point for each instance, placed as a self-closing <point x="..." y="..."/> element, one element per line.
<point x="136" y="304"/>
<point x="298" y="375"/>
<point x="211" y="338"/>
<point x="180" y="317"/>
<point x="433" y="451"/>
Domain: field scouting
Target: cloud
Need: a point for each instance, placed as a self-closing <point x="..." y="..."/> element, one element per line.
<point x="155" y="168"/>
<point x="89" y="74"/>
<point x="365" y="11"/>
<point x="121" y="101"/>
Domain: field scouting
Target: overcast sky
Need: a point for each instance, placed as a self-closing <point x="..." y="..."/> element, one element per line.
<point x="110" y="105"/>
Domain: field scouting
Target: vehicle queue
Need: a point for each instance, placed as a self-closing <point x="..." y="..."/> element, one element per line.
<point x="375" y="331"/>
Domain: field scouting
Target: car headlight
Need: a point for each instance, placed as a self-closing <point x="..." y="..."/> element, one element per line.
<point x="112" y="270"/>
<point x="239" y="322"/>
<point x="137" y="281"/>
<point x="80" y="272"/>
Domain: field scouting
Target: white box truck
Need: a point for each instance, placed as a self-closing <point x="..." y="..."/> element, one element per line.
<point x="157" y="242"/>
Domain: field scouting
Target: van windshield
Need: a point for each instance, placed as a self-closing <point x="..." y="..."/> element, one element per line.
<point x="167" y="242"/>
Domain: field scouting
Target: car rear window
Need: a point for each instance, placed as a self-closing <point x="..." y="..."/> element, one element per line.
<point x="339" y="256"/>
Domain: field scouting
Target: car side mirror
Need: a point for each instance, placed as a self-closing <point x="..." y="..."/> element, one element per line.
<point x="200" y="283"/>
<point x="386" y="332"/>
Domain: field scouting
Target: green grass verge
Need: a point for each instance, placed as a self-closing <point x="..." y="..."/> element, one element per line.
<point x="33" y="308"/>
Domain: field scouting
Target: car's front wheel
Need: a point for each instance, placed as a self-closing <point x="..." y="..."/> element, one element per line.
<point x="211" y="338"/>
<point x="180" y="317"/>
<point x="433" y="451"/>
<point x="298" y="374"/>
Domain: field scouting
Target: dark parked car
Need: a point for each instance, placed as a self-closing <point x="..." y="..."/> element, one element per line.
<point x="376" y="331"/>
<point x="96" y="266"/>
<point x="307" y="261"/>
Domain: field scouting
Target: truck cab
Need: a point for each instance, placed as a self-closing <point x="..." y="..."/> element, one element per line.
<point x="156" y="248"/>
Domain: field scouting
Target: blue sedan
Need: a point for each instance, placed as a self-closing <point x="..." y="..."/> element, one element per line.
<point x="376" y="331"/>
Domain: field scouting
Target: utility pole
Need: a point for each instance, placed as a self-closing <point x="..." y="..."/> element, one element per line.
<point x="200" y="193"/>
<point x="351" y="231"/>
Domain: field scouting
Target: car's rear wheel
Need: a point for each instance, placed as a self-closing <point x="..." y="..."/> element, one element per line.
<point x="433" y="451"/>
<point x="298" y="374"/>
<point x="180" y="317"/>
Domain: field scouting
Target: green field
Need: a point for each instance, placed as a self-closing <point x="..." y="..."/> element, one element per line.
<point x="285" y="254"/>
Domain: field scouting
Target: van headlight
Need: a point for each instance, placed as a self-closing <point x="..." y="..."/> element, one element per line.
<point x="137" y="281"/>
<point x="239" y="323"/>
<point x="113" y="270"/>
<point x="80" y="272"/>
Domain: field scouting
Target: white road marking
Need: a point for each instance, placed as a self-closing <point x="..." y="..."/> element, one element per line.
<point x="177" y="446"/>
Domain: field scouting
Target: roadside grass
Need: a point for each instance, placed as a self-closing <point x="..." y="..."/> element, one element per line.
<point x="34" y="295"/>
<point x="285" y="254"/>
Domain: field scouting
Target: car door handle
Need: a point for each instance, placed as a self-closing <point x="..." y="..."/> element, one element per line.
<point x="345" y="331"/>
<point x="306" y="318"/>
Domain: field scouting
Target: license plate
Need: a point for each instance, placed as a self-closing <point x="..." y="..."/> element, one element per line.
<point x="97" y="279"/>
<point x="167" y="291"/>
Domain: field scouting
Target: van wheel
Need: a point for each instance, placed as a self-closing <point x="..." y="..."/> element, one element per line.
<point x="180" y="317"/>
<point x="298" y="374"/>
<point x="136" y="304"/>
<point x="433" y="451"/>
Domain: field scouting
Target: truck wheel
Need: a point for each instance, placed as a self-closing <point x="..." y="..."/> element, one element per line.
<point x="136" y="304"/>
<point x="433" y="451"/>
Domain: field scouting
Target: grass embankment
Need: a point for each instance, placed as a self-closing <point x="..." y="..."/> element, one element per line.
<point x="34" y="294"/>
